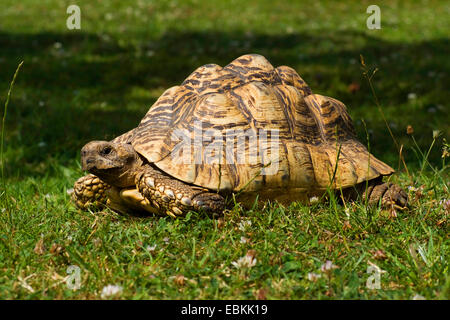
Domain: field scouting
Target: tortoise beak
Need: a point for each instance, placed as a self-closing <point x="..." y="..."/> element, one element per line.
<point x="87" y="164"/>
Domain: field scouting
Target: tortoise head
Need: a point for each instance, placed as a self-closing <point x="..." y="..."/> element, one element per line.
<point x="115" y="163"/>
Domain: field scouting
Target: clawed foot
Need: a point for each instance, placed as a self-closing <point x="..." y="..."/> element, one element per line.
<point x="209" y="202"/>
<point x="89" y="192"/>
<point x="391" y="195"/>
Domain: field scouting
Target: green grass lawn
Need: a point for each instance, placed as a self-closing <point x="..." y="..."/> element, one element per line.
<point x="98" y="82"/>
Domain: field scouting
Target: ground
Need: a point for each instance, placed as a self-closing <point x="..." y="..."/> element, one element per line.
<point x="98" y="82"/>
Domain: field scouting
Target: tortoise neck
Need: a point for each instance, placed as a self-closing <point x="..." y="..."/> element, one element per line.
<point x="128" y="174"/>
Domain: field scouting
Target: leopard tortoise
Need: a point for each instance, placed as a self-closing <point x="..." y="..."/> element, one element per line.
<point x="247" y="128"/>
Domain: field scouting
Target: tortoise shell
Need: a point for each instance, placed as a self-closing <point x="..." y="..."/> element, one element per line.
<point x="317" y="146"/>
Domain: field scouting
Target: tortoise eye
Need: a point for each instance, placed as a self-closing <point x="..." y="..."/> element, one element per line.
<point x="106" y="150"/>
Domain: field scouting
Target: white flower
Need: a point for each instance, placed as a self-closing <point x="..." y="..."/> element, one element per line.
<point x="69" y="191"/>
<point x="313" y="199"/>
<point x="245" y="262"/>
<point x="418" y="297"/>
<point x="244" y="224"/>
<point x="313" y="276"/>
<point x="436" y="134"/>
<point x="151" y="248"/>
<point x="347" y="212"/>
<point x="412" y="96"/>
<point x="412" y="188"/>
<point x="166" y="240"/>
<point x="328" y="266"/>
<point x="244" y="240"/>
<point x="445" y="203"/>
<point x="111" y="290"/>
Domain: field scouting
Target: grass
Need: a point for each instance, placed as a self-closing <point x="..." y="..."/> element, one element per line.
<point x="98" y="82"/>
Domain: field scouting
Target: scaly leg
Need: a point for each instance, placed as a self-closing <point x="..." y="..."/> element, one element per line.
<point x="89" y="191"/>
<point x="390" y="195"/>
<point x="174" y="197"/>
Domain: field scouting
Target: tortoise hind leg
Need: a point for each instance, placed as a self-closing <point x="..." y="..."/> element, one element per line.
<point x="389" y="194"/>
<point x="90" y="192"/>
<point x="173" y="197"/>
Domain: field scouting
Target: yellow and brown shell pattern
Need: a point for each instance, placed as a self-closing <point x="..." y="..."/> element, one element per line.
<point x="316" y="143"/>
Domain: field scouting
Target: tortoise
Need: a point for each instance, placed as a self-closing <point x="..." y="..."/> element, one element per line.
<point x="282" y="143"/>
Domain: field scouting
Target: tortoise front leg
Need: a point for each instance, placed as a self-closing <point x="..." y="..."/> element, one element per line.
<point x="174" y="197"/>
<point x="90" y="192"/>
<point x="129" y="201"/>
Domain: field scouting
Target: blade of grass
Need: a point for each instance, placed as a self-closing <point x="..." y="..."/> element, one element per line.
<point x="377" y="102"/>
<point x="4" y="120"/>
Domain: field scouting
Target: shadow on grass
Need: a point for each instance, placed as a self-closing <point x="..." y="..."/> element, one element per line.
<point x="76" y="87"/>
